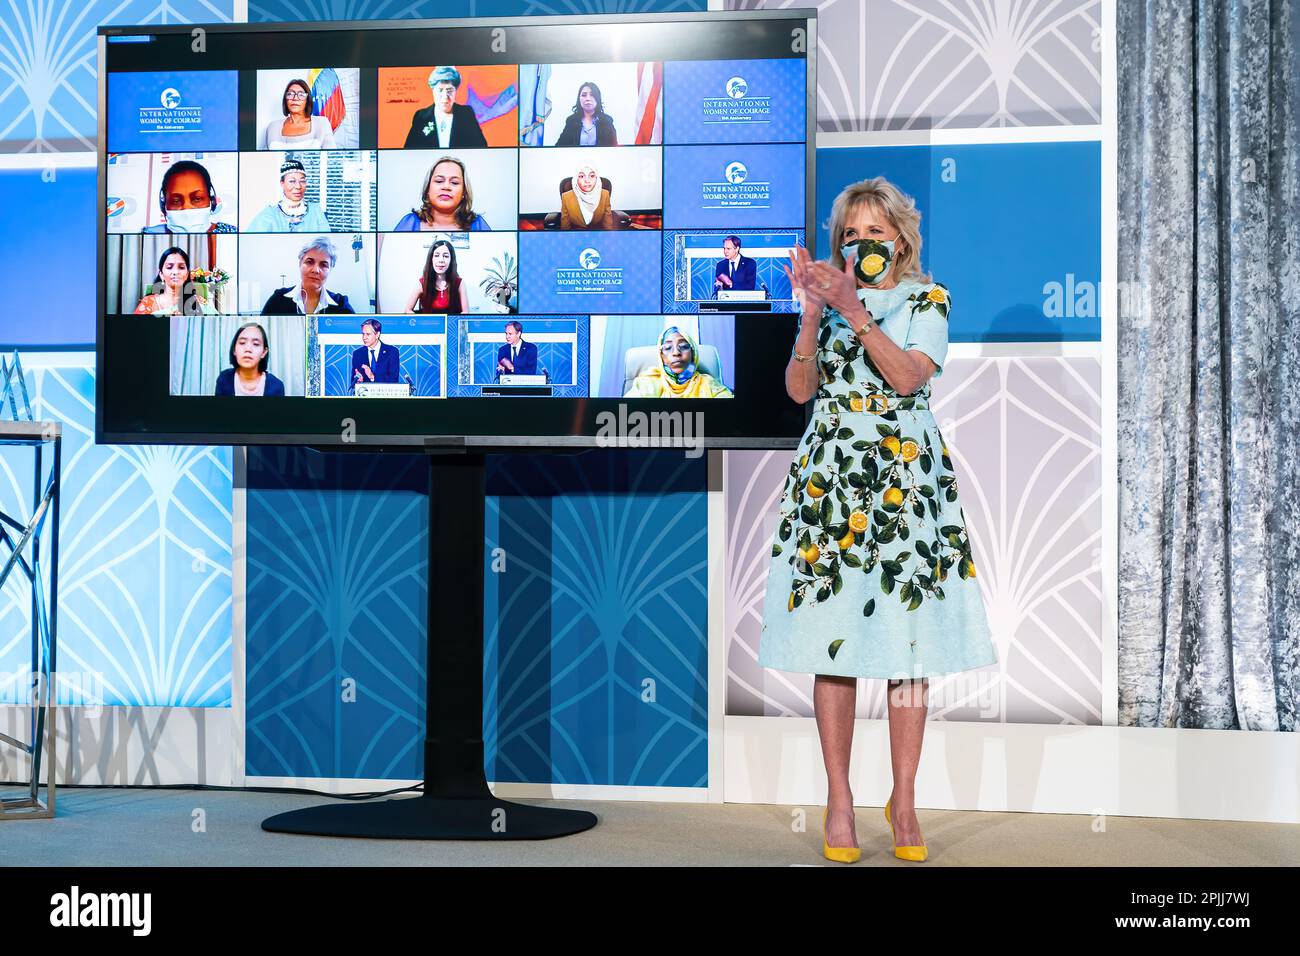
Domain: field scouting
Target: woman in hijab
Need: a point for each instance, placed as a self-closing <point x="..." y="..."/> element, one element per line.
<point x="676" y="376"/>
<point x="586" y="204"/>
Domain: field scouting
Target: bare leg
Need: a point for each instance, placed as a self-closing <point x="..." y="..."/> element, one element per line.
<point x="835" y="702"/>
<point x="908" y="700"/>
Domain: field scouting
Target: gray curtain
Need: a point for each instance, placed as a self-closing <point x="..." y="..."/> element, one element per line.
<point x="1209" y="366"/>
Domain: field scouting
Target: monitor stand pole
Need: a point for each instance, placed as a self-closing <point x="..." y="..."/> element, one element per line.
<point x="456" y="803"/>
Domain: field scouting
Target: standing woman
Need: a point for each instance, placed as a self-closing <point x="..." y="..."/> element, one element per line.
<point x="299" y="129"/>
<point x="440" y="289"/>
<point x="872" y="573"/>
<point x="588" y="124"/>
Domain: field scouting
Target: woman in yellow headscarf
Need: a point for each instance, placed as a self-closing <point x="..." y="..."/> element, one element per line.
<point x="676" y="376"/>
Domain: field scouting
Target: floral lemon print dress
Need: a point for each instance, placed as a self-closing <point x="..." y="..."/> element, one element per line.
<point x="872" y="573"/>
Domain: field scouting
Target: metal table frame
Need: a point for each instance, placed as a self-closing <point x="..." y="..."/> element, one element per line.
<point x="16" y="537"/>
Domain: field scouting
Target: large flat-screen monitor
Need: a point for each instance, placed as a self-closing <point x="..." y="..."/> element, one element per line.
<point x="532" y="231"/>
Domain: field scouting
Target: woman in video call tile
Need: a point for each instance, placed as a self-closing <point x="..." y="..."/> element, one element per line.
<point x="447" y="202"/>
<point x="586" y="204"/>
<point x="188" y="201"/>
<point x="676" y="375"/>
<point x="249" y="352"/>
<point x="309" y="296"/>
<point x="446" y="124"/>
<point x="293" y="212"/>
<point x="173" y="273"/>
<point x="588" y="124"/>
<point x="299" y="129"/>
<point x="439" y="289"/>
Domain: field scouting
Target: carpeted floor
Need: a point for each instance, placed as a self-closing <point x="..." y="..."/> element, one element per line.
<point x="146" y="827"/>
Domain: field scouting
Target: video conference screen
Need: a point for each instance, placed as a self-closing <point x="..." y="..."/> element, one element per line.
<point x="483" y="231"/>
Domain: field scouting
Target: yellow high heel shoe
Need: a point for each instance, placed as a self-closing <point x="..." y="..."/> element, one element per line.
<point x="838" y="854"/>
<point x="916" y="854"/>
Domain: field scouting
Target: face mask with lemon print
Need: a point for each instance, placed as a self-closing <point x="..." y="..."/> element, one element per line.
<point x="872" y="258"/>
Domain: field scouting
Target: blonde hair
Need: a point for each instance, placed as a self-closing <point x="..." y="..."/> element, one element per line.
<point x="900" y="209"/>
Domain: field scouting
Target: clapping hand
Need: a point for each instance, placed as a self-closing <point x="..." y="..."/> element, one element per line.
<point x="802" y="281"/>
<point x="839" y="289"/>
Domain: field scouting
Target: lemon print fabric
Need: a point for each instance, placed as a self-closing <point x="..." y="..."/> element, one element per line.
<point x="872" y="571"/>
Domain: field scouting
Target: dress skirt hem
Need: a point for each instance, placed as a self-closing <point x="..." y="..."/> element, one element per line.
<point x="828" y="669"/>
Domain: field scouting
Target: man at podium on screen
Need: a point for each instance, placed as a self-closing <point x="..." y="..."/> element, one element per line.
<point x="375" y="361"/>
<point x="734" y="271"/>
<point x="516" y="357"/>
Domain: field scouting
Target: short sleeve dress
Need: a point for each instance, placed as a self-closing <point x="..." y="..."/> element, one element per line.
<point x="871" y="572"/>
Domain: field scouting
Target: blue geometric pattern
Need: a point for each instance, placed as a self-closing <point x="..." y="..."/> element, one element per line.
<point x="596" y="630"/>
<point x="336" y="601"/>
<point x="595" y="626"/>
<point x="144" y="556"/>
<point x="48" y="62"/>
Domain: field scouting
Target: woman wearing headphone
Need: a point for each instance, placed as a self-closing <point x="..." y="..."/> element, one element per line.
<point x="188" y="201"/>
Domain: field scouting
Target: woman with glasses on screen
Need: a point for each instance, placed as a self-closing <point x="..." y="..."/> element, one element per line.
<point x="168" y="297"/>
<point x="440" y="289"/>
<point x="446" y="201"/>
<point x="293" y="212"/>
<point x="299" y="129"/>
<point x="250" y="350"/>
<point x="872" y="573"/>
<point x="676" y="374"/>
<point x="588" y="124"/>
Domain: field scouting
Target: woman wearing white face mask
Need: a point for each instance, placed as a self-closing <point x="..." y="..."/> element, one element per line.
<point x="872" y="572"/>
<point x="188" y="201"/>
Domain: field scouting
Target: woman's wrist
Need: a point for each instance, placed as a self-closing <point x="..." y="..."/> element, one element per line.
<point x="861" y="321"/>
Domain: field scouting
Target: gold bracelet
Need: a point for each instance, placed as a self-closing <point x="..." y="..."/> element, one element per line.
<point x="803" y="358"/>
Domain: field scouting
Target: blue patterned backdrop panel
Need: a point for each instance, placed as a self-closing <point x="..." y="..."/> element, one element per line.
<point x="596" y="646"/>
<point x="144" y="556"/>
<point x="1013" y="230"/>
<point x="49" y="51"/>
<point x="594" y="619"/>
<point x="334" y="638"/>
<point x="290" y="10"/>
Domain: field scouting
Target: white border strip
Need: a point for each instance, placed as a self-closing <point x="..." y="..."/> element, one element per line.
<point x="956" y="136"/>
<point x="70" y="160"/>
<point x="969" y="350"/>
<point x="1109" y="302"/>
<point x="716" y="596"/>
<point x="526" y="791"/>
<point x="1178" y="773"/>
<point x="239" y="610"/>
